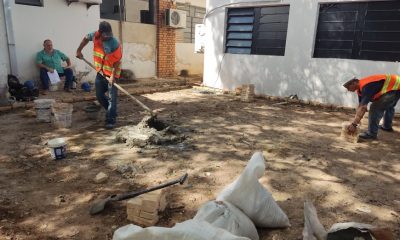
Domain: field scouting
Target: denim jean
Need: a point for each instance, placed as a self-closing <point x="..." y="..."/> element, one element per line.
<point x="109" y="102"/>
<point x="44" y="78"/>
<point x="383" y="107"/>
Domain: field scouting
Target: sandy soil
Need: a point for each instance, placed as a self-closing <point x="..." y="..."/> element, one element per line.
<point x="41" y="198"/>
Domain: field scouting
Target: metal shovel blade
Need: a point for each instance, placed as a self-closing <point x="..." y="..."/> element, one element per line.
<point x="99" y="206"/>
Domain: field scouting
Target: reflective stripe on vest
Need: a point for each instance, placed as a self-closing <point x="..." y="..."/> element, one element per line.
<point x="392" y="82"/>
<point x="105" y="62"/>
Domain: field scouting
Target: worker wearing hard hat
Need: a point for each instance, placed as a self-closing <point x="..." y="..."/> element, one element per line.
<point x="384" y="93"/>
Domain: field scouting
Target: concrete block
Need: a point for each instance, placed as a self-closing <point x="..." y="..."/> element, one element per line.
<point x="101" y="177"/>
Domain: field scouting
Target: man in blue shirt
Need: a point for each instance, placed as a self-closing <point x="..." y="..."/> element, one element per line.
<point x="50" y="59"/>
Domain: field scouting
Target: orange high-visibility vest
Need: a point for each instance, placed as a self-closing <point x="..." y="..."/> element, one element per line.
<point x="105" y="62"/>
<point x="392" y="83"/>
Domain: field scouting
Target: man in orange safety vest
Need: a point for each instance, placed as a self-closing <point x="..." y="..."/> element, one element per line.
<point x="107" y="54"/>
<point x="383" y="90"/>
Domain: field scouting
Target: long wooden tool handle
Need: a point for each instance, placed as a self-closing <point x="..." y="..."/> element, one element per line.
<point x="181" y="180"/>
<point x="137" y="101"/>
<point x="123" y="90"/>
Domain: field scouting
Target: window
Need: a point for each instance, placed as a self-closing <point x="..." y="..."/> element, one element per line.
<point x="30" y="2"/>
<point x="258" y="31"/>
<point x="365" y="30"/>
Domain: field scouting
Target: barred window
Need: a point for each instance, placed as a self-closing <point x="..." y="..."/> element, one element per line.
<point x="258" y="31"/>
<point x="365" y="30"/>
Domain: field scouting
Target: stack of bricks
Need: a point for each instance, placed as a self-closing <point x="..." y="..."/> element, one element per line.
<point x="143" y="210"/>
<point x="247" y="93"/>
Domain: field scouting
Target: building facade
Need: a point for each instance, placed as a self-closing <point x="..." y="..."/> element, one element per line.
<point x="303" y="47"/>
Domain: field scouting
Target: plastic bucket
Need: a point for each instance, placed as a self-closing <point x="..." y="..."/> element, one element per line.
<point x="43" y="109"/>
<point x="58" y="148"/>
<point x="62" y="115"/>
<point x="92" y="111"/>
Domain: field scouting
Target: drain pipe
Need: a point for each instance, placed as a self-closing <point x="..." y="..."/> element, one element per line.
<point x="12" y="55"/>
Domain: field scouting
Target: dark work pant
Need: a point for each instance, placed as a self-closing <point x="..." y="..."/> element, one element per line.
<point x="109" y="101"/>
<point x="44" y="78"/>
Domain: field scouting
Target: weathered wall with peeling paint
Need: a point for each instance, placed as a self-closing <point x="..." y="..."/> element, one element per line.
<point x="139" y="47"/>
<point x="186" y="58"/>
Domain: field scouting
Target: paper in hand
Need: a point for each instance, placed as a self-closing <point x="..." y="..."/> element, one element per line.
<point x="53" y="76"/>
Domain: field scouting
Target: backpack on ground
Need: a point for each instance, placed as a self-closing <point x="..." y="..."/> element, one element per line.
<point x="19" y="91"/>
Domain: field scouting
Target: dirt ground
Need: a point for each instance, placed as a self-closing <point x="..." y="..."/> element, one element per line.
<point x="41" y="198"/>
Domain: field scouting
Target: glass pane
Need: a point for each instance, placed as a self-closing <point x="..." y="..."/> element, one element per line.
<point x="29" y="2"/>
<point x="240" y="28"/>
<point x="239" y="50"/>
<point x="240" y="11"/>
<point x="238" y="43"/>
<point x="241" y="20"/>
<point x="240" y="35"/>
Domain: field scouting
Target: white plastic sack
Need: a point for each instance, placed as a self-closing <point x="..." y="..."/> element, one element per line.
<point x="188" y="230"/>
<point x="313" y="229"/>
<point x="252" y="198"/>
<point x="226" y="216"/>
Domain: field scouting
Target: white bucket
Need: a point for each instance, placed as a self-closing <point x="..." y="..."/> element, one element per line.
<point x="43" y="109"/>
<point x="58" y="148"/>
<point x="62" y="115"/>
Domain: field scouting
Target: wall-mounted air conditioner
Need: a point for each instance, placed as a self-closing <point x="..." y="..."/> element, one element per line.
<point x="175" y="18"/>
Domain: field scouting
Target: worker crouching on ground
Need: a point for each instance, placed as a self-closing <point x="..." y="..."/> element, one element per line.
<point x="384" y="93"/>
<point x="107" y="54"/>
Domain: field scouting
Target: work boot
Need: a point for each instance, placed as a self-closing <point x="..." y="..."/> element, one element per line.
<point x="110" y="126"/>
<point x="386" y="129"/>
<point x="367" y="136"/>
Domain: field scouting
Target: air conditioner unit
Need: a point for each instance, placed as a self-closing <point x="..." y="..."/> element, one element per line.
<point x="175" y="18"/>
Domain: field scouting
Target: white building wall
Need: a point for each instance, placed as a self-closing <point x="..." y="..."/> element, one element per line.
<point x="296" y="72"/>
<point x="65" y="25"/>
<point x="4" y="57"/>
<point x="186" y="58"/>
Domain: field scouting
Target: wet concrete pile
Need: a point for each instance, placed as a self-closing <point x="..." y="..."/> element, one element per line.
<point x="151" y="131"/>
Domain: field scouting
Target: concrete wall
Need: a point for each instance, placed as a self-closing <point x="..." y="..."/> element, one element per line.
<point x="65" y="25"/>
<point x="139" y="47"/>
<point x="198" y="3"/>
<point x="133" y="8"/>
<point x="4" y="57"/>
<point x="296" y="72"/>
<point x="186" y="58"/>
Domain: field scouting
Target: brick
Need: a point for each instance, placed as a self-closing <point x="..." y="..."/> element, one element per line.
<point x="143" y="221"/>
<point x="133" y="211"/>
<point x="148" y="215"/>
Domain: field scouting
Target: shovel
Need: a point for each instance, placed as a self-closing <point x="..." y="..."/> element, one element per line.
<point x="99" y="206"/>
<point x="123" y="90"/>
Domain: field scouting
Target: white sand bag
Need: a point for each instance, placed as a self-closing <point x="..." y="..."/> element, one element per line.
<point x="247" y="194"/>
<point x="313" y="229"/>
<point x="188" y="230"/>
<point x="226" y="216"/>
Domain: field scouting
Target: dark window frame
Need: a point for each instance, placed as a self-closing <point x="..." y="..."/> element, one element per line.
<point x="358" y="30"/>
<point x="38" y="3"/>
<point x="257" y="30"/>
